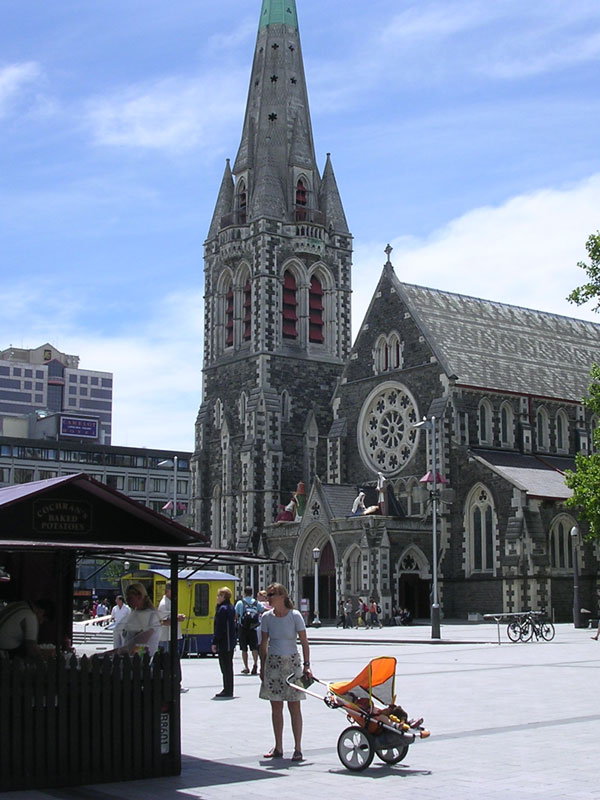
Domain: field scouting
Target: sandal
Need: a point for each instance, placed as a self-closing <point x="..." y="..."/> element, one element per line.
<point x="297" y="756"/>
<point x="274" y="753"/>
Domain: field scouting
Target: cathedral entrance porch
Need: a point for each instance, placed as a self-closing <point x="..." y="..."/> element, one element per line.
<point x="414" y="594"/>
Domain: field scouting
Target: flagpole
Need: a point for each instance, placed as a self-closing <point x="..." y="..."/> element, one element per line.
<point x="175" y="460"/>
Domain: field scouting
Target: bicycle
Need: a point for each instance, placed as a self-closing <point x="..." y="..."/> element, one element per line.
<point x="513" y="629"/>
<point x="532" y="625"/>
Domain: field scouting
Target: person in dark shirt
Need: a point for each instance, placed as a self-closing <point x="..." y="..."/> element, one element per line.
<point x="224" y="639"/>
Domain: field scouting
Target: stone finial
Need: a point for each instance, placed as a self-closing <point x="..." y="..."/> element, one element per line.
<point x="388" y="252"/>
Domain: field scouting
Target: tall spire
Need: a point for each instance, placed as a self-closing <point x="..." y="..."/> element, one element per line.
<point x="277" y="132"/>
<point x="330" y="201"/>
<point x="224" y="202"/>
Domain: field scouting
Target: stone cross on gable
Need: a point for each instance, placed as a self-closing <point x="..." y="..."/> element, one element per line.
<point x="388" y="252"/>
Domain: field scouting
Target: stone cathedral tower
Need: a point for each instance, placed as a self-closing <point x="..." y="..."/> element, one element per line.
<point x="277" y="328"/>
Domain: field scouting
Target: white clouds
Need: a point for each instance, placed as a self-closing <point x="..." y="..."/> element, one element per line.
<point x="14" y="79"/>
<point x="174" y="114"/>
<point x="524" y="252"/>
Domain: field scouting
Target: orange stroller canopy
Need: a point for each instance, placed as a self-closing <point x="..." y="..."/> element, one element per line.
<point x="376" y="680"/>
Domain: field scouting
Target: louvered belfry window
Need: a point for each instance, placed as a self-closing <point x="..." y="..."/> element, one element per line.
<point x="247" y="311"/>
<point x="229" y="318"/>
<point x="316" y="311"/>
<point x="290" y="307"/>
<point x="301" y="201"/>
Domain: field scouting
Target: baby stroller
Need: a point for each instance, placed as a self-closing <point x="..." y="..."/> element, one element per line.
<point x="385" y="732"/>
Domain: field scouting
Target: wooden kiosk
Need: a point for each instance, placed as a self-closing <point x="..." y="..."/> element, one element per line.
<point x="69" y="721"/>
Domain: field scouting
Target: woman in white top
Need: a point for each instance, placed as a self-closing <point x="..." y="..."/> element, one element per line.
<point x="140" y="628"/>
<point x="279" y="658"/>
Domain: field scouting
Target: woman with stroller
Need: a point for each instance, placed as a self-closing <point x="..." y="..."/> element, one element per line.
<point x="279" y="658"/>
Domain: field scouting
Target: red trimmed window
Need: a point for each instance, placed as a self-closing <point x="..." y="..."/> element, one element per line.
<point x="290" y="307"/>
<point x="247" y="311"/>
<point x="229" y="318"/>
<point x="301" y="201"/>
<point x="242" y="204"/>
<point x="315" y="302"/>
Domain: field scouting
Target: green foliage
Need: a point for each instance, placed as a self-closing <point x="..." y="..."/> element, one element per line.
<point x="591" y="290"/>
<point x="112" y="573"/>
<point x="585" y="480"/>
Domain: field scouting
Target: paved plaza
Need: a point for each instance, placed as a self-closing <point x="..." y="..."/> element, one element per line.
<point x="510" y="721"/>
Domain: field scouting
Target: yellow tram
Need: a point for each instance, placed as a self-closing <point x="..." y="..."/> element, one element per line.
<point x="197" y="600"/>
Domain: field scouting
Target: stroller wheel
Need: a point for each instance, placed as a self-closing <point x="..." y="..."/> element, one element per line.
<point x="392" y="755"/>
<point x="355" y="748"/>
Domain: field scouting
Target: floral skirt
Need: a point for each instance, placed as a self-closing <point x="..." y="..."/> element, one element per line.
<point x="277" y="669"/>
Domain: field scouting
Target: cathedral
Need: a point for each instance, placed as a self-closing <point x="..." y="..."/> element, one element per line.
<point x="327" y="454"/>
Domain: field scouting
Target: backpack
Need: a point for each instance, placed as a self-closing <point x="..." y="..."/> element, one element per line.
<point x="250" y="621"/>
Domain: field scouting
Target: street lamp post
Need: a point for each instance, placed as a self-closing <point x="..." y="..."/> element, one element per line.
<point x="316" y="553"/>
<point x="576" y="598"/>
<point x="168" y="462"/>
<point x="432" y="477"/>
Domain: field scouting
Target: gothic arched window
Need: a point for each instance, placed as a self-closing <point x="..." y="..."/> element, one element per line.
<point x="541" y="429"/>
<point x="562" y="432"/>
<point x="290" y="307"/>
<point x="561" y="551"/>
<point x="247" y="310"/>
<point x="301" y="201"/>
<point x="507" y="437"/>
<point x="229" y="316"/>
<point x="242" y="203"/>
<point x="485" y="422"/>
<point x="481" y="530"/>
<point x="315" y="302"/>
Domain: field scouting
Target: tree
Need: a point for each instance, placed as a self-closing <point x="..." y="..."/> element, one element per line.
<point x="585" y="480"/>
<point x="591" y="290"/>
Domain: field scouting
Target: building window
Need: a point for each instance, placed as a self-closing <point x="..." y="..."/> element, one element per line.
<point x="115" y="482"/>
<point x="242" y="203"/>
<point x="541" y="428"/>
<point x="562" y="432"/>
<point x="229" y="317"/>
<point x="316" y="311"/>
<point x="290" y="307"/>
<point x="301" y="201"/>
<point x="247" y="311"/>
<point x="23" y="475"/>
<point x="485" y="422"/>
<point x="158" y="485"/>
<point x="561" y="551"/>
<point x="507" y="425"/>
<point x="136" y="484"/>
<point x="481" y="530"/>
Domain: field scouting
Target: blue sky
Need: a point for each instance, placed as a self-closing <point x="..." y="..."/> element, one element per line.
<point x="463" y="132"/>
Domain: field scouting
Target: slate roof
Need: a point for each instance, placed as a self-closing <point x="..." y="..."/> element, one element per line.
<point x="539" y="477"/>
<point x="493" y="345"/>
<point x="339" y="498"/>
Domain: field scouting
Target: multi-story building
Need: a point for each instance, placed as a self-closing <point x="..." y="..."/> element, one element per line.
<point x="146" y="475"/>
<point x="43" y="382"/>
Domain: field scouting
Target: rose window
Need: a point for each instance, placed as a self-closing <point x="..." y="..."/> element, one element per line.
<point x="387" y="438"/>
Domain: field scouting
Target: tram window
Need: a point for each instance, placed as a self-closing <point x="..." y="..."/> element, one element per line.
<point x="201" y="600"/>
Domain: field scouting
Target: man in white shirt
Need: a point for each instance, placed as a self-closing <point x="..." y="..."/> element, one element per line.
<point x="164" y="613"/>
<point x="119" y="611"/>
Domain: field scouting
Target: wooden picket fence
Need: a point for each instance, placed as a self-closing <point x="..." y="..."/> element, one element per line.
<point x="80" y="721"/>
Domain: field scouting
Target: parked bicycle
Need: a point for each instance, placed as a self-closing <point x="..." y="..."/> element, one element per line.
<point x="528" y="625"/>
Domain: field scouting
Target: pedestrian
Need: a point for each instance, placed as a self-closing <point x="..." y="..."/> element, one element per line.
<point x="279" y="658"/>
<point x="266" y="606"/>
<point x="348" y="613"/>
<point x="374" y="612"/>
<point x="119" y="611"/>
<point x="19" y="627"/>
<point x="141" y="627"/>
<point x="164" y="614"/>
<point x="224" y="638"/>
<point x="248" y="611"/>
<point x="342" y="619"/>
